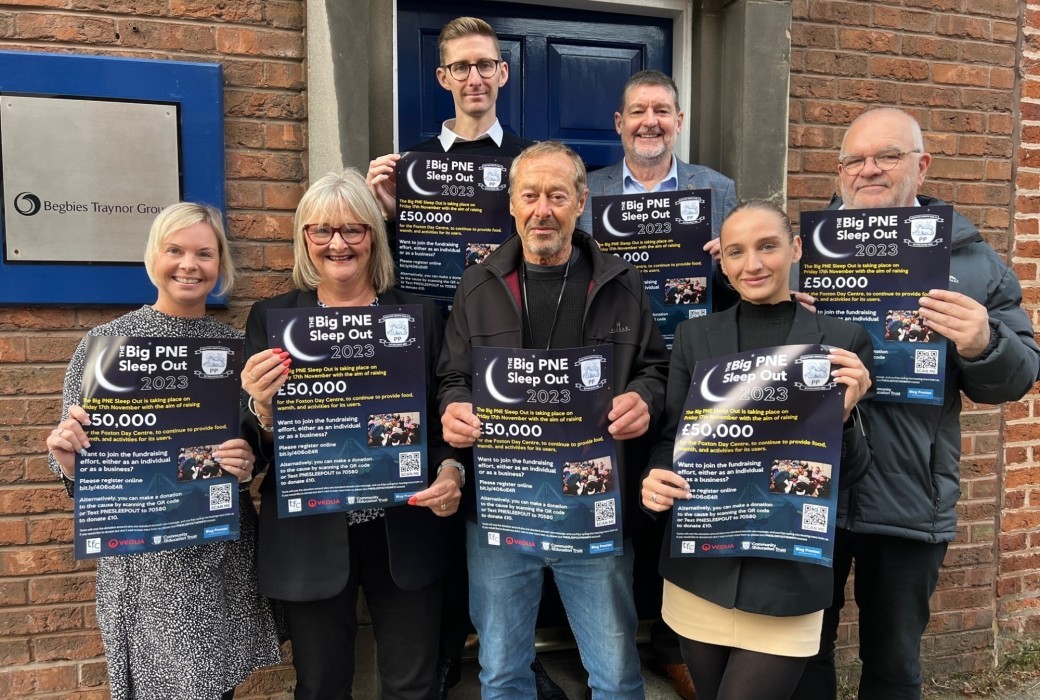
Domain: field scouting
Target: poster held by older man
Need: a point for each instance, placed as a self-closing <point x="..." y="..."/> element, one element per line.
<point x="351" y="417"/>
<point x="872" y="266"/>
<point x="159" y="408"/>
<point x="546" y="468"/>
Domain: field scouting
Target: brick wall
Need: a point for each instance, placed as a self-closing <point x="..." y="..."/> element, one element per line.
<point x="952" y="64"/>
<point x="49" y="645"/>
<point x="1018" y="585"/>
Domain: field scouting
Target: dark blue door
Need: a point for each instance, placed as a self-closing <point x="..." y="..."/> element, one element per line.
<point x="566" y="70"/>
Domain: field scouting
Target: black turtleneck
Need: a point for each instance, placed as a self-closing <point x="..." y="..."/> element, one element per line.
<point x="763" y="325"/>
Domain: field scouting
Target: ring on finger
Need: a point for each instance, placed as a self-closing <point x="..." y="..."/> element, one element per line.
<point x="444" y="506"/>
<point x="654" y="498"/>
<point x="251" y="377"/>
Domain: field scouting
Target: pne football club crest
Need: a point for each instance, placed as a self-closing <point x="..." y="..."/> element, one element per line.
<point x="816" y="373"/>
<point x="923" y="230"/>
<point x="494" y="177"/>
<point x="690" y="210"/>
<point x="398" y="330"/>
<point x="214" y="361"/>
<point x="591" y="369"/>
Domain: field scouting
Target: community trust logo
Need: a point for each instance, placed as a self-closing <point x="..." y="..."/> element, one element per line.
<point x="27" y="204"/>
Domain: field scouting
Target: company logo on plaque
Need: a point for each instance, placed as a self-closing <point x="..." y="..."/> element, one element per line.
<point x="27" y="204"/>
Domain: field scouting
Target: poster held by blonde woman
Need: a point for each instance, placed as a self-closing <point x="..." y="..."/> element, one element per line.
<point x="181" y="623"/>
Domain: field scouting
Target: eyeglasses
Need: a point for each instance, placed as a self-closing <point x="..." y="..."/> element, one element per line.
<point x="486" y="68"/>
<point x="320" y="234"/>
<point x="884" y="161"/>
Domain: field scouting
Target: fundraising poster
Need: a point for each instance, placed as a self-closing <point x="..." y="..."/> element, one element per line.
<point x="663" y="235"/>
<point x="159" y="408"/>
<point x="871" y="266"/>
<point x="452" y="212"/>
<point x="350" y="421"/>
<point x="760" y="443"/>
<point x="546" y="467"/>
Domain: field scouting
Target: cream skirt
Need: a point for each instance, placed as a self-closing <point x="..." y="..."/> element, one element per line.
<point x="695" y="618"/>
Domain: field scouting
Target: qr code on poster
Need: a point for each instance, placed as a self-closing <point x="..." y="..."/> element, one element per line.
<point x="409" y="464"/>
<point x="926" y="362"/>
<point x="814" y="518"/>
<point x="605" y="513"/>
<point x="220" y="497"/>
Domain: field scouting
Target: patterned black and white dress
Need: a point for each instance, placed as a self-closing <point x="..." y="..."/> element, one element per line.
<point x="184" y="623"/>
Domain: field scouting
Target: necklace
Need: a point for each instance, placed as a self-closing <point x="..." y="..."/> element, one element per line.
<point x="559" y="300"/>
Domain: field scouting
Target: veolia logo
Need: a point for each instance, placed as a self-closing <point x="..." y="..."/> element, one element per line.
<point x="26" y="204"/>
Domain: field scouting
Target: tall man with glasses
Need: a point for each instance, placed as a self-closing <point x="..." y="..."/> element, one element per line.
<point x="473" y="71"/>
<point x="576" y="295"/>
<point x="898" y="521"/>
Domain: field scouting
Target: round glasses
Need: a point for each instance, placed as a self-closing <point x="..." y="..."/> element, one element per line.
<point x="884" y="161"/>
<point x="486" y="68"/>
<point x="320" y="234"/>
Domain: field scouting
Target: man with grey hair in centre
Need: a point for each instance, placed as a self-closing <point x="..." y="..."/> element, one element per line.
<point x="574" y="295"/>
<point x="897" y="522"/>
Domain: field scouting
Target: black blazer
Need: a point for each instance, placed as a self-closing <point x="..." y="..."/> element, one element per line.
<point x="308" y="558"/>
<point x="756" y="584"/>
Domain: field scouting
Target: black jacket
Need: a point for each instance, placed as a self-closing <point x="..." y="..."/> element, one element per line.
<point x="486" y="313"/>
<point x="756" y="584"/>
<point x="308" y="558"/>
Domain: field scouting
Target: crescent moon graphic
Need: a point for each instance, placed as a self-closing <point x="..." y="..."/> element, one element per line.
<point x="818" y="242"/>
<point x="291" y="346"/>
<point x="610" y="229"/>
<point x="498" y="395"/>
<point x="99" y="374"/>
<point x="411" y="181"/>
<point x="706" y="392"/>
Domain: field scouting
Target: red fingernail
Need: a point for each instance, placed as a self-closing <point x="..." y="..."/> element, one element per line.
<point x="283" y="355"/>
<point x="412" y="501"/>
<point x="287" y="362"/>
<point x="285" y="371"/>
<point x="276" y="351"/>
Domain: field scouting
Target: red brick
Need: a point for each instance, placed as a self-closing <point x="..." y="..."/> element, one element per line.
<point x="12" y="531"/>
<point x="1007" y="9"/>
<point x="289" y="76"/>
<point x="66" y="28"/>
<point x="51" y="348"/>
<point x="284" y="137"/>
<point x="68" y="647"/>
<point x="840" y="13"/>
<point x="982" y="194"/>
<point x="836" y="63"/>
<point x="39" y="619"/>
<point x="966" y="27"/>
<point x="12" y="592"/>
<point x="264" y="105"/>
<point x="170" y="36"/>
<point x="278" y="257"/>
<point x="243" y="134"/>
<point x="945" y="120"/>
<point x="282" y="196"/>
<point x="259" y="42"/>
<point x="286" y="15"/>
<point x="960" y="74"/>
<point x="813" y="86"/>
<point x="264" y="166"/>
<point x="50" y="530"/>
<point x="931" y="47"/>
<point x="871" y="41"/>
<point x="868" y="91"/>
<point x="245" y="11"/>
<point x="814" y="36"/>
<point x="41" y="680"/>
<point x="814" y="137"/>
<point x="899" y="68"/>
<point x="894" y="18"/>
<point x="944" y="5"/>
<point x="245" y="195"/>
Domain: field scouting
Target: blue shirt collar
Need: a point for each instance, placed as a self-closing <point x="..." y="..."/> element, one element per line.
<point x="630" y="185"/>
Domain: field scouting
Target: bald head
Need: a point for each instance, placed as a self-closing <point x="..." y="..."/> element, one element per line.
<point x="877" y="132"/>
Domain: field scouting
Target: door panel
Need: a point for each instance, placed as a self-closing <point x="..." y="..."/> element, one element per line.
<point x="566" y="71"/>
